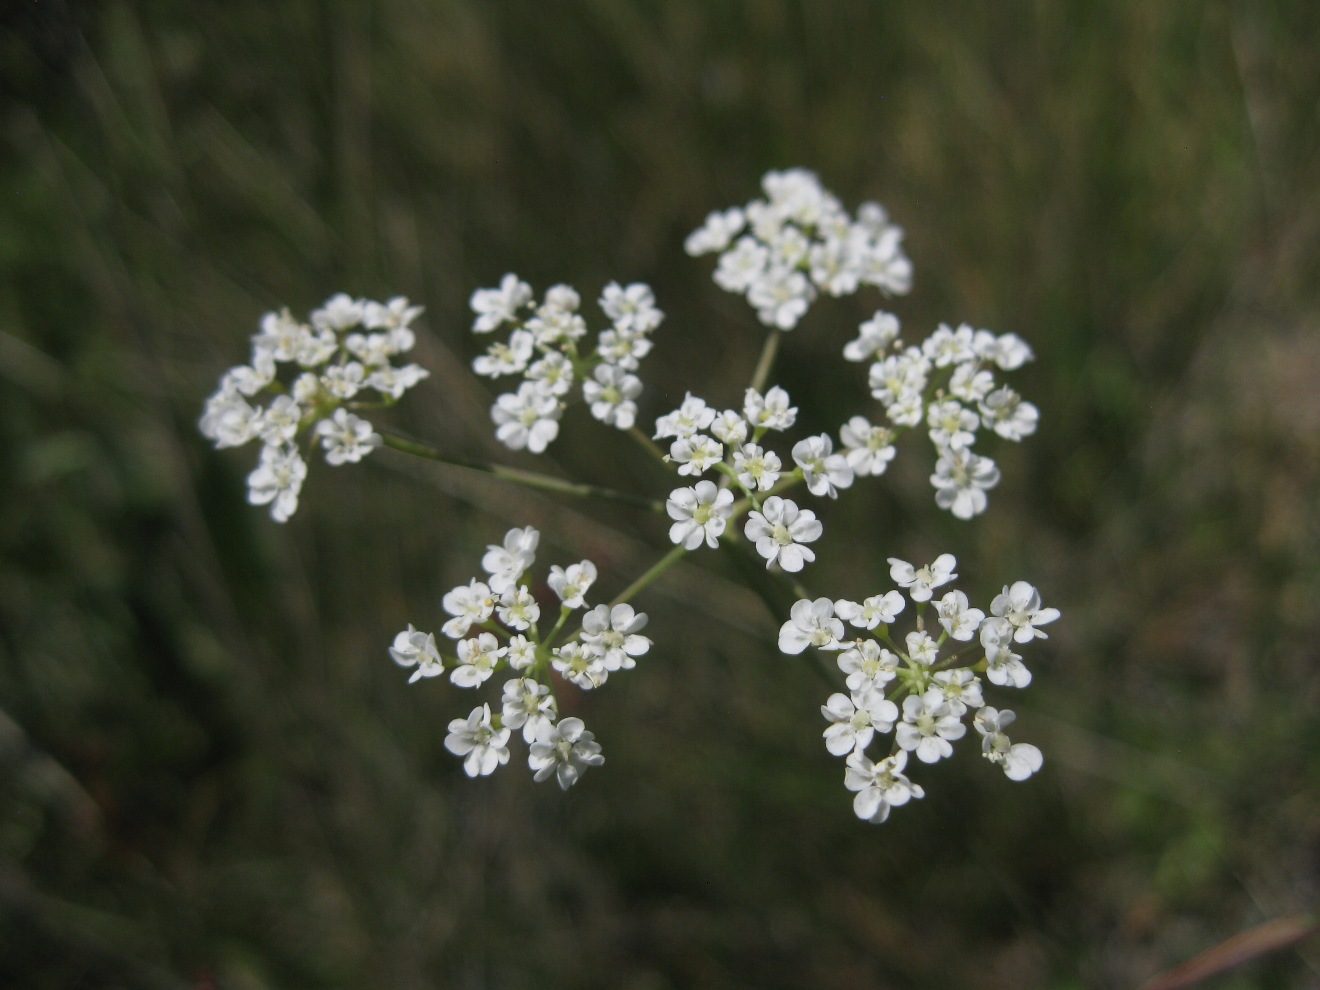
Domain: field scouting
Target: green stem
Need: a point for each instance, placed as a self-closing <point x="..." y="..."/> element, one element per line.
<point x="658" y="568"/>
<point x="766" y="360"/>
<point x="649" y="445"/>
<point x="530" y="479"/>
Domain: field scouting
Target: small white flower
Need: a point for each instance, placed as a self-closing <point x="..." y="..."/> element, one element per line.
<point x="522" y="653"/>
<point x="741" y="266"/>
<point x="279" y="421"/>
<point x="959" y="689"/>
<point x="497" y="306"/>
<point x="730" y="428"/>
<point x="482" y="746"/>
<point x="879" y="786"/>
<point x="872" y="612"/>
<point x="824" y="471"/>
<point x="229" y="420"/>
<point x="855" y="720"/>
<point x="868" y="663"/>
<point x="277" y="480"/>
<point x="720" y="228"/>
<point x="564" y="751"/>
<point x="971" y="383"/>
<point x="700" y="513"/>
<point x="695" y="454"/>
<point x="624" y="348"/>
<point x="611" y="394"/>
<point x="505" y="564"/>
<point x="552" y="375"/>
<point x="393" y="315"/>
<point x="899" y="375"/>
<point x="687" y="419"/>
<point x="874" y="337"/>
<point x="339" y="313"/>
<point x="505" y="358"/>
<point x="613" y="633"/>
<point x="811" y="624"/>
<point x="1020" y="604"/>
<point x="921" y="648"/>
<point x="517" y="608"/>
<point x="1009" y="351"/>
<point x="945" y="346"/>
<point x="1004" y="668"/>
<point x="280" y="335"/>
<point x="951" y="424"/>
<point x="770" y="411"/>
<point x="1018" y="760"/>
<point x="928" y="729"/>
<point x="779" y="530"/>
<point x="343" y="381"/>
<point x="573" y="583"/>
<point x="757" y="469"/>
<point x="527" y="418"/>
<point x="961" y="479"/>
<point x="958" y="619"/>
<point x="413" y="648"/>
<point x="920" y="581"/>
<point x="580" y="665"/>
<point x="868" y="449"/>
<point x="632" y="308"/>
<point x="477" y="658"/>
<point x="527" y="705"/>
<point x="346" y="438"/>
<point x="470" y="604"/>
<point x="781" y="296"/>
<point x="1008" y="415"/>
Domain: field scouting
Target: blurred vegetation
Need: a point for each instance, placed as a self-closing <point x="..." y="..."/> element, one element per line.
<point x="212" y="776"/>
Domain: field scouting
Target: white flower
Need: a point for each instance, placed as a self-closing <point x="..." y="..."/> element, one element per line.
<point x="482" y="746"/>
<point x="391" y="381"/>
<point x="928" y="728"/>
<point x="951" y="424"/>
<point x="343" y="381"/>
<point x="1020" y="604"/>
<point x="477" y="658"/>
<point x="580" y="665"/>
<point x="945" y="346"/>
<point x="1009" y="351"/>
<point x="624" y="348"/>
<point x="971" y="383"/>
<point x="279" y="422"/>
<point x="854" y="721"/>
<point x="824" y="471"/>
<point x="413" y="648"/>
<point x="1018" y="760"/>
<point x="959" y="689"/>
<point x="701" y="513"/>
<point x="1004" y="668"/>
<point x="505" y="564"/>
<point x="564" y="751"/>
<point x="229" y="420"/>
<point x="612" y="632"/>
<point x="339" y="313"/>
<point x="868" y="663"/>
<point x="920" y="581"/>
<point x="742" y="266"/>
<point x="781" y="296"/>
<point x="526" y="419"/>
<point x="872" y="612"/>
<point x="517" y="608"/>
<point x="695" y="454"/>
<point x="687" y="419"/>
<point x="958" y="620"/>
<point x="573" y="583"/>
<point x="961" y="479"/>
<point x="278" y="480"/>
<point x="899" y="376"/>
<point x="393" y="315"/>
<point x="757" y="469"/>
<point x="1009" y="416"/>
<point x="470" y="604"/>
<point x="874" y="338"/>
<point x="779" y="530"/>
<point x="611" y="394"/>
<point x="280" y="335"/>
<point x="346" y="438"/>
<point x="505" y="358"/>
<point x="632" y="308"/>
<point x="879" y="786"/>
<point x="921" y="648"/>
<point x="811" y="624"/>
<point x="770" y="411"/>
<point x="522" y="653"/>
<point x="527" y="705"/>
<point x="868" y="449"/>
<point x="552" y="375"/>
<point x="729" y="428"/>
<point x="720" y="228"/>
<point x="496" y="306"/>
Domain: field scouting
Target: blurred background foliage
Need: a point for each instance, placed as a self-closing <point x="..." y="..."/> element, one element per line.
<point x="212" y="776"/>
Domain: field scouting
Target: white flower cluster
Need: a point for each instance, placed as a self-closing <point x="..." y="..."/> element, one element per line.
<point x="495" y="625"/>
<point x="732" y="446"/>
<point x="936" y="693"/>
<point x="343" y="360"/>
<point x="781" y="250"/>
<point x="543" y="348"/>
<point x="946" y="384"/>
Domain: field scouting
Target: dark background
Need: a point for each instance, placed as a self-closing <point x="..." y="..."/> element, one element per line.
<point x="211" y="775"/>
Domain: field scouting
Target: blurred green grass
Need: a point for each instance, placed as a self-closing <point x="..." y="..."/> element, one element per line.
<point x="213" y="776"/>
